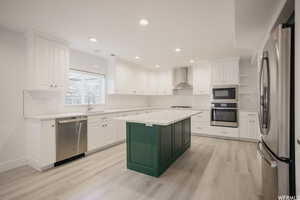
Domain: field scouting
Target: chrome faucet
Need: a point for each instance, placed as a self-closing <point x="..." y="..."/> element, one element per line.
<point x="89" y="105"/>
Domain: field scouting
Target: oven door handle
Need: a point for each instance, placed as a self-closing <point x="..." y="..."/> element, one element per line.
<point x="220" y="108"/>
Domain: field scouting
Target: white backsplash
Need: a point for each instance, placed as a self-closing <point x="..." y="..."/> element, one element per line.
<point x="181" y="100"/>
<point x="39" y="103"/>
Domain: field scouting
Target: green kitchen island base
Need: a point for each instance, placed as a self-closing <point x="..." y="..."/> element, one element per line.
<point x="151" y="149"/>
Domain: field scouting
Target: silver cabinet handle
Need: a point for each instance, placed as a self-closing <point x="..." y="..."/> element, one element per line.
<point x="272" y="163"/>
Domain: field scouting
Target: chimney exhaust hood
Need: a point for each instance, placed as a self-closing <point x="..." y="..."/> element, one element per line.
<point x="181" y="78"/>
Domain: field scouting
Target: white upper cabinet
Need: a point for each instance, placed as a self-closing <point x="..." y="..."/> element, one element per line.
<point x="48" y="62"/>
<point x="201" y="78"/>
<point x="163" y="83"/>
<point x="126" y="78"/>
<point x="225" y="71"/>
<point x="123" y="78"/>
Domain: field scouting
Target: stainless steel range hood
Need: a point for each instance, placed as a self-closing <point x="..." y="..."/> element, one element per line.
<point x="181" y="78"/>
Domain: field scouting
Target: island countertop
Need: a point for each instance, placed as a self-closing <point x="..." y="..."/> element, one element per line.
<point x="162" y="118"/>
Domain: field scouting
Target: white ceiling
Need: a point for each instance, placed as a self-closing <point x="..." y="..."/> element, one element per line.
<point x="204" y="29"/>
<point x="253" y="21"/>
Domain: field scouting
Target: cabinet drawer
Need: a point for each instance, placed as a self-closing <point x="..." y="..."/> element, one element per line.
<point x="200" y="127"/>
<point x="225" y="131"/>
<point x="201" y="130"/>
<point x="201" y="117"/>
<point x="199" y="124"/>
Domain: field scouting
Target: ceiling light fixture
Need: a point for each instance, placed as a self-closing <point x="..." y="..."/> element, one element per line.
<point x="177" y="49"/>
<point x="137" y="57"/>
<point x="157" y="66"/>
<point x="144" y="22"/>
<point x="91" y="39"/>
<point x="192" y="61"/>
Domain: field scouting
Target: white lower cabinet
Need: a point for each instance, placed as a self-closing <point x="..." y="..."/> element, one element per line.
<point x="224" y="131"/>
<point x="249" y="128"/>
<point x="104" y="131"/>
<point x="41" y="152"/>
<point x="200" y="123"/>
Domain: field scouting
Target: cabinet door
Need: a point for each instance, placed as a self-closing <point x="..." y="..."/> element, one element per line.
<point x="225" y="72"/>
<point x="95" y="139"/>
<point x="43" y="56"/>
<point x="140" y="82"/>
<point x="167" y="83"/>
<point x="217" y="73"/>
<point x="186" y="134"/>
<point x="166" y="156"/>
<point x="249" y="125"/>
<point x="152" y="83"/>
<point x="177" y="139"/>
<point x="231" y="72"/>
<point x="47" y="147"/>
<point x="201" y="78"/>
<point x="109" y="132"/>
<point x="120" y="130"/>
<point x="253" y="131"/>
<point x="122" y="79"/>
<point x="243" y="125"/>
<point x="61" y="64"/>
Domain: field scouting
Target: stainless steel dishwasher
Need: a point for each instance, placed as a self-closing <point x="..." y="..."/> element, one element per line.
<point x="71" y="137"/>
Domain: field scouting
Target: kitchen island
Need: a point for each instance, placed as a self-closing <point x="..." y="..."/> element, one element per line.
<point x="155" y="140"/>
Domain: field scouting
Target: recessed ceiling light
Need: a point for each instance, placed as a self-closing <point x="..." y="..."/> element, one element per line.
<point x="91" y="39"/>
<point x="177" y="49"/>
<point x="144" y="22"/>
<point x="137" y="57"/>
<point x="157" y="66"/>
<point x="192" y="61"/>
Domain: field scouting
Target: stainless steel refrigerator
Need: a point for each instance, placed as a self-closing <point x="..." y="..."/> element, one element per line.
<point x="276" y="146"/>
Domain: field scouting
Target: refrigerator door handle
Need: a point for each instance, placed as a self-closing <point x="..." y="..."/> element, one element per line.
<point x="272" y="162"/>
<point x="264" y="96"/>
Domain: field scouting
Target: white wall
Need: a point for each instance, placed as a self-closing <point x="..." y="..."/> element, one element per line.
<point x="297" y="92"/>
<point x="12" y="135"/>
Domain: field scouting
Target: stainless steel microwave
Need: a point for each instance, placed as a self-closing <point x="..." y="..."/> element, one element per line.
<point x="225" y="93"/>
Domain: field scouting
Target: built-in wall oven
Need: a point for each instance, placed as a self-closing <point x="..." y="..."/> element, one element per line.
<point x="225" y="93"/>
<point x="224" y="114"/>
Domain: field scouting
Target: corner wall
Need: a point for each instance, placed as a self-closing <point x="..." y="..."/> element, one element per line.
<point x="12" y="135"/>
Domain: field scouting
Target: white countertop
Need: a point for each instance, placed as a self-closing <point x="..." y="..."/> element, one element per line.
<point x="163" y="118"/>
<point x="91" y="113"/>
<point x="102" y="112"/>
<point x="54" y="116"/>
<point x="118" y="110"/>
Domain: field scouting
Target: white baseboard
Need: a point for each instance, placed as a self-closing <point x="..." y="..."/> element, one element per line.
<point x="104" y="147"/>
<point x="11" y="164"/>
<point x="225" y="137"/>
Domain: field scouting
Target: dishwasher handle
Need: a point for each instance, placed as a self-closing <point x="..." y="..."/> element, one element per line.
<point x="72" y="120"/>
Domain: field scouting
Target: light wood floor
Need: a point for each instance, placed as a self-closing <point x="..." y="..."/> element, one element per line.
<point x="213" y="169"/>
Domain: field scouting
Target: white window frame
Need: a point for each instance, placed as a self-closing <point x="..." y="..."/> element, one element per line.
<point x="86" y="72"/>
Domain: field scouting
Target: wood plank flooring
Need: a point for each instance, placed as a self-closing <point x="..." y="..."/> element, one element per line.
<point x="213" y="169"/>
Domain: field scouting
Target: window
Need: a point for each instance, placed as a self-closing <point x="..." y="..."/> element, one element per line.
<point x="85" y="88"/>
